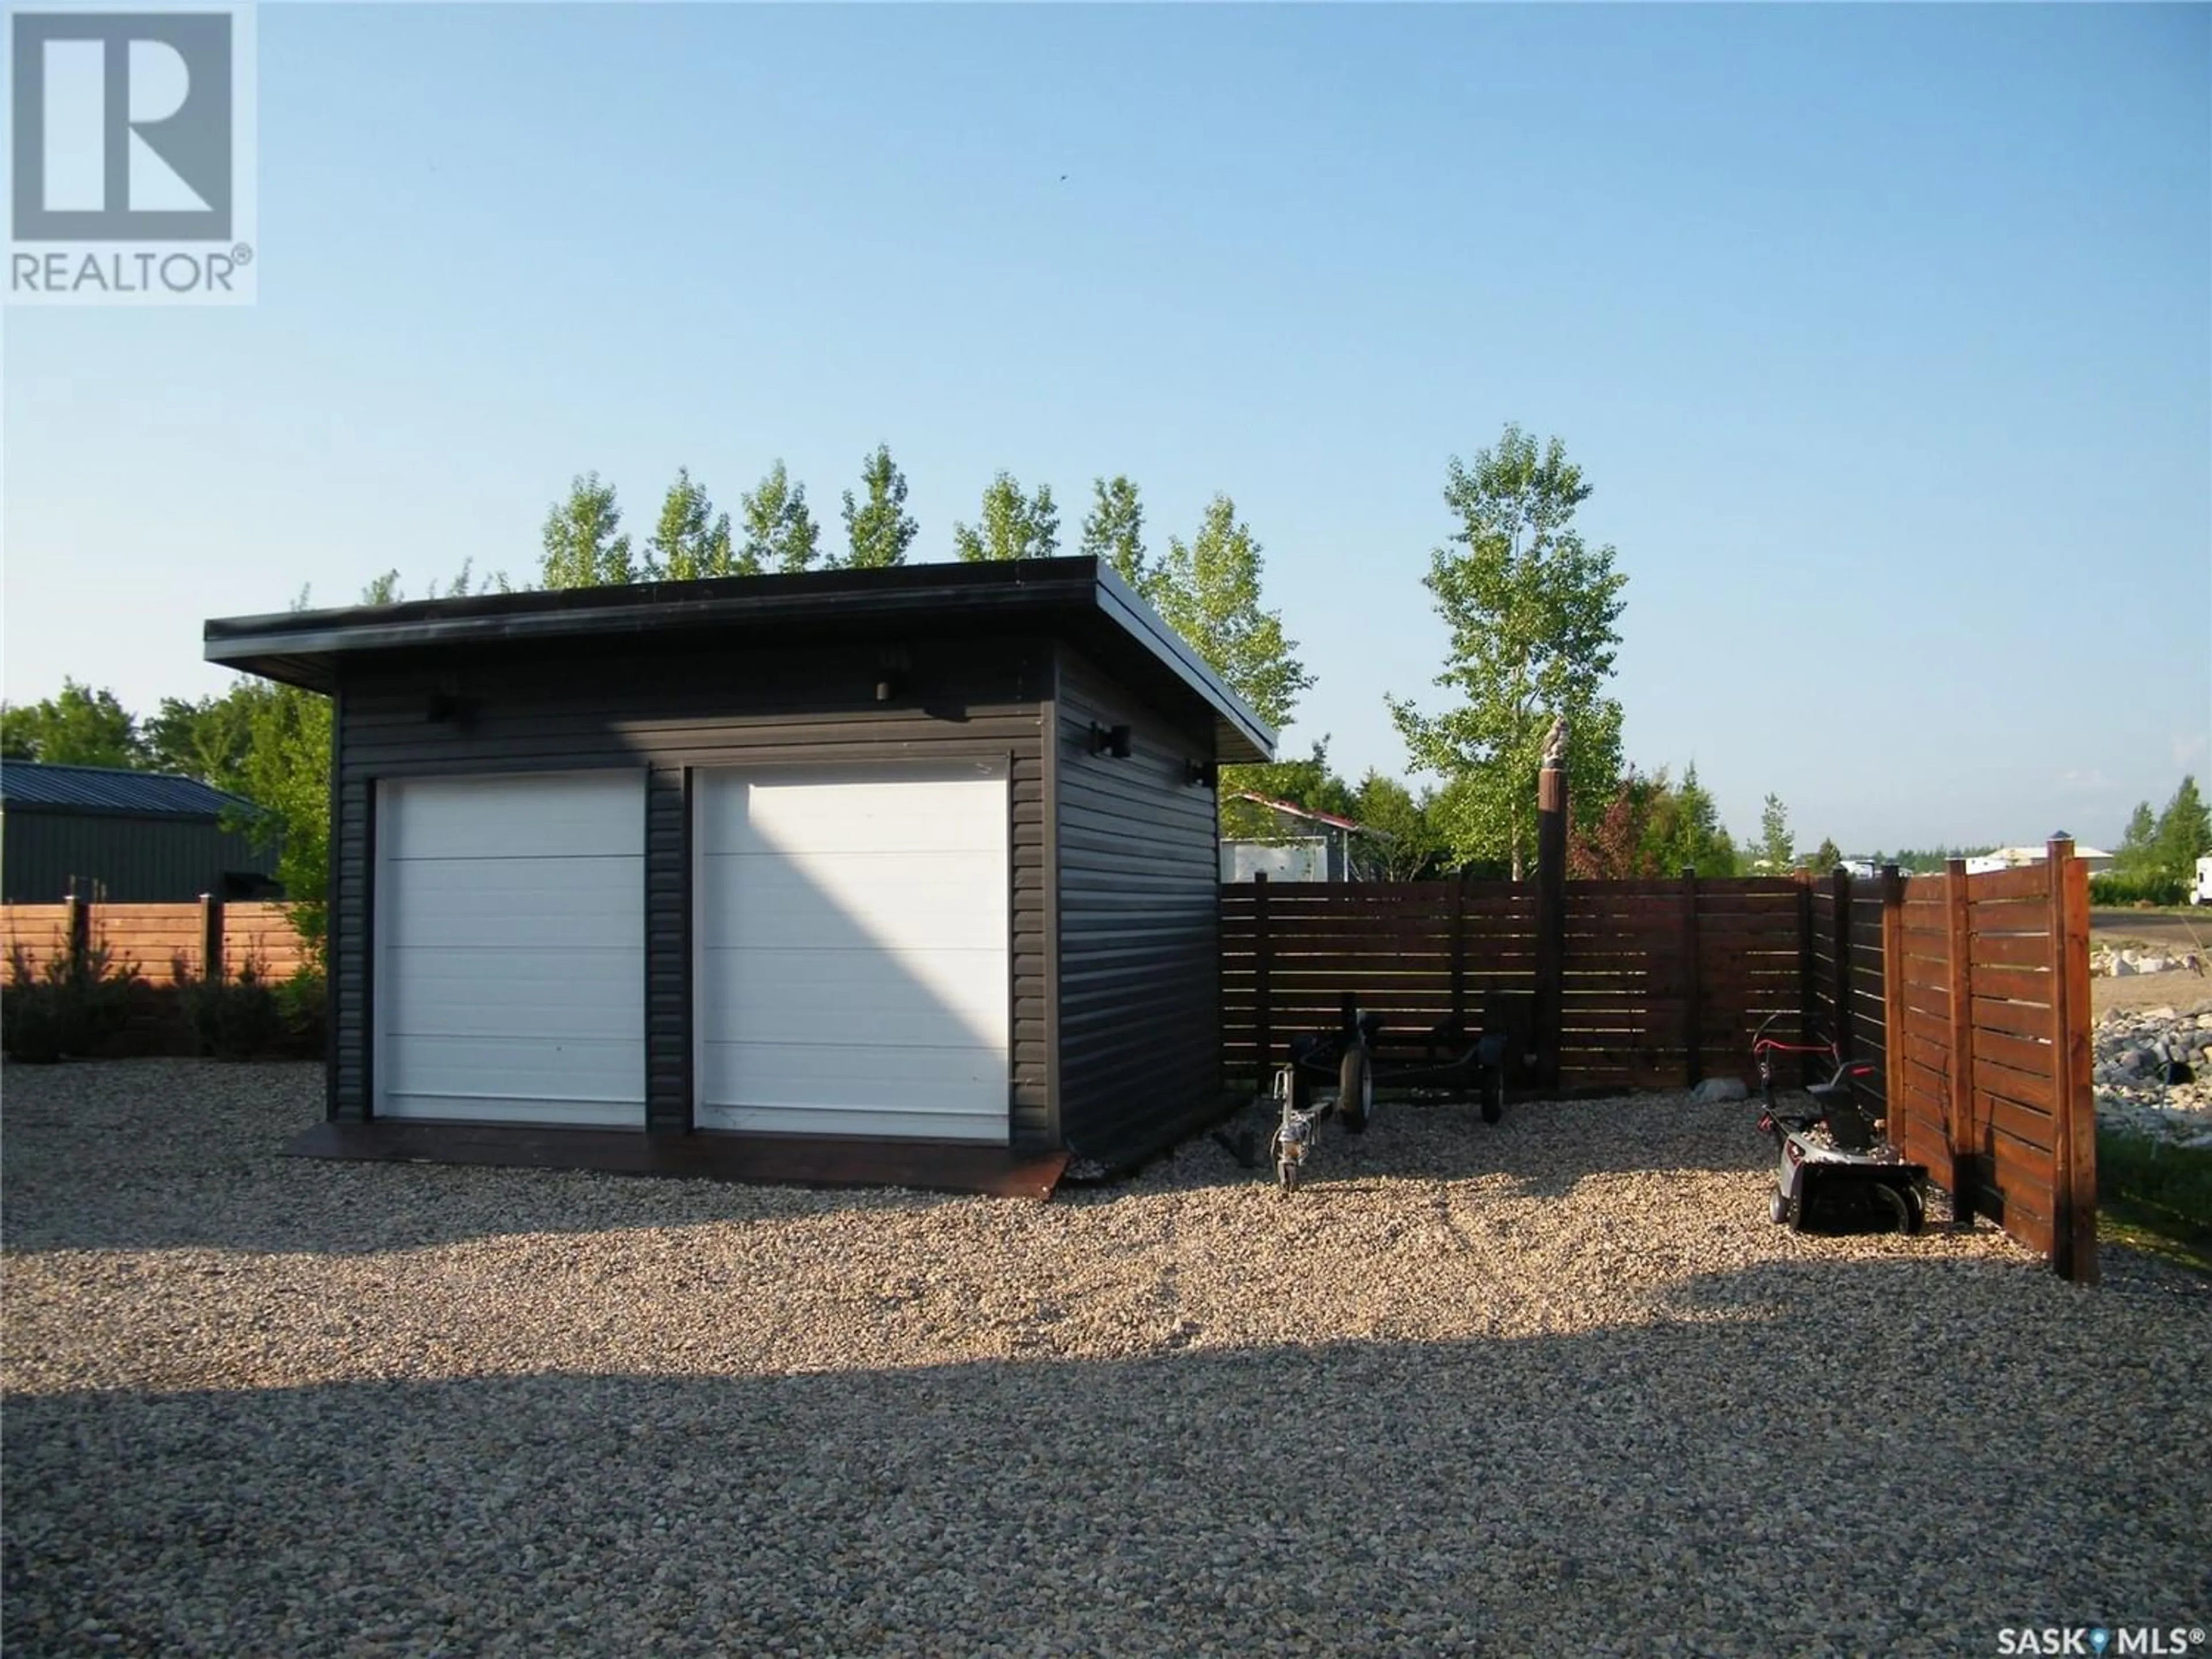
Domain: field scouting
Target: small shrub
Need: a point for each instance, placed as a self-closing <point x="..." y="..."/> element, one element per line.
<point x="71" y="1004"/>
<point x="2111" y="889"/>
<point x="302" y="1004"/>
<point x="231" y="1018"/>
<point x="32" y="1035"/>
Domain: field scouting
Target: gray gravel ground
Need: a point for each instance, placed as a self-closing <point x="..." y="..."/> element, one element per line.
<point x="1556" y="1385"/>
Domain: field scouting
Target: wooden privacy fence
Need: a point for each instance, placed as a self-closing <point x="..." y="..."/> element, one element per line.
<point x="1657" y="983"/>
<point x="1988" y="1075"/>
<point x="1967" y="995"/>
<point x="209" y="939"/>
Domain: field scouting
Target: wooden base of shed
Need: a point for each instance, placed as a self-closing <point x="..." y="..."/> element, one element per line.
<point x="760" y="1160"/>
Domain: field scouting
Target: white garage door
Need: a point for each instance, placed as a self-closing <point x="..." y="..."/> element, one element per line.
<point x="510" y="948"/>
<point x="852" y="941"/>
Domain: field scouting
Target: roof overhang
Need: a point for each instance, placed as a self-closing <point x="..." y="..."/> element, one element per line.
<point x="1082" y="600"/>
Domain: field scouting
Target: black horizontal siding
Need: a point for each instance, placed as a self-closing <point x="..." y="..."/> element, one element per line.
<point x="667" y="713"/>
<point x="1137" y="915"/>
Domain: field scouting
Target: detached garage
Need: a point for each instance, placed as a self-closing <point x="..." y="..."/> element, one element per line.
<point x="853" y="873"/>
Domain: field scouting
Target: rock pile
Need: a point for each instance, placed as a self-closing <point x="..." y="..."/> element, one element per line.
<point x="2118" y="963"/>
<point x="2153" y="1072"/>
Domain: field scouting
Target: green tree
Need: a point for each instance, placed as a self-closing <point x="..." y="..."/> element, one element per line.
<point x="206" y="739"/>
<point x="1827" y="855"/>
<point x="1114" y="530"/>
<point x="1532" y="610"/>
<point x="2137" y="853"/>
<point x="585" y="546"/>
<point x="2184" y="834"/>
<point x="692" y="540"/>
<point x="286" y="772"/>
<point x="80" y="727"/>
<point x="1405" y="845"/>
<point x="1777" y="854"/>
<point x="1013" y="526"/>
<point x="780" y="534"/>
<point x="387" y="590"/>
<point x="1307" y="782"/>
<point x="1684" y="829"/>
<point x="1208" y="591"/>
<point x="879" y="530"/>
<point x="465" y="582"/>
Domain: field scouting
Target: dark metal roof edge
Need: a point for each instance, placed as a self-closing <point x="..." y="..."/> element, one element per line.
<point x="1123" y="603"/>
<point x="254" y="643"/>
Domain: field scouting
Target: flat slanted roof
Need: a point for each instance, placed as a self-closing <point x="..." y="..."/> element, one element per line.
<point x="1081" y="599"/>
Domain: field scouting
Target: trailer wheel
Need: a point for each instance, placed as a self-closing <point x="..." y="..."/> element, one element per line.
<point x="1778" y="1207"/>
<point x="1355" y="1089"/>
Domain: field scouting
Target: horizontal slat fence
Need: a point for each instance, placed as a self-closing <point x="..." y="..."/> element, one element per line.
<point x="1991" y="1036"/>
<point x="263" y="934"/>
<point x="1661" y="982"/>
<point x="163" y="944"/>
<point x="1419" y="951"/>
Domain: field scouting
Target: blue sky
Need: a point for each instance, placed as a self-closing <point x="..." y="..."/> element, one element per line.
<point x="1884" y="334"/>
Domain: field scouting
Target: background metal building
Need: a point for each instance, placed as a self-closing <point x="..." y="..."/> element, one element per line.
<point x="123" y="837"/>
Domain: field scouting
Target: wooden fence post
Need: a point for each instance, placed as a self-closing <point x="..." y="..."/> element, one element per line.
<point x="2073" y="1213"/>
<point x="77" y="916"/>
<point x="1694" y="1033"/>
<point x="1263" y="965"/>
<point x="210" y="939"/>
<point x="1959" y="1133"/>
<point x="1808" y="1007"/>
<point x="1459" y="954"/>
<point x="1551" y="922"/>
<point x="1893" y="999"/>
<point x="1839" y="891"/>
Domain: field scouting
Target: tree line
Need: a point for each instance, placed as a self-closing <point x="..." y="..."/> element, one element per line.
<point x="1532" y="611"/>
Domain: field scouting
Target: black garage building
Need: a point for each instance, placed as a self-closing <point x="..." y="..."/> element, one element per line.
<point x="924" y="855"/>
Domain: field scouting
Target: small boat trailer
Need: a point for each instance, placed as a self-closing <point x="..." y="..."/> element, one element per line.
<point x="1355" y="1056"/>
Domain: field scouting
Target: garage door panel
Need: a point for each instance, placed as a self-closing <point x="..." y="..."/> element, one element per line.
<point x="853" y="932"/>
<point x="518" y="993"/>
<point x="936" y="901"/>
<point x="576" y="814"/>
<point x="514" y="1069"/>
<point x="801" y="997"/>
<point x="886" y="1077"/>
<point x="815" y="816"/>
<point x="562" y="904"/>
<point x="877" y="1123"/>
<point x="510" y="939"/>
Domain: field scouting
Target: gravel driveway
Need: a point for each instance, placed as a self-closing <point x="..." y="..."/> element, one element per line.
<point x="1556" y="1385"/>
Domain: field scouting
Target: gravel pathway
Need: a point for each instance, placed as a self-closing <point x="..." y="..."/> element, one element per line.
<point x="1554" y="1385"/>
